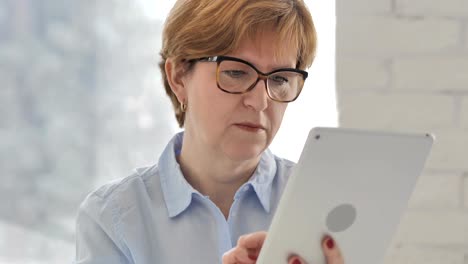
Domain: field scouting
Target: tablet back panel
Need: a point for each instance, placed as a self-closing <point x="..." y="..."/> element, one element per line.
<point x="354" y="185"/>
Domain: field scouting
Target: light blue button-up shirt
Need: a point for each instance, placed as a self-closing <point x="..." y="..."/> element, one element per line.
<point x="155" y="216"/>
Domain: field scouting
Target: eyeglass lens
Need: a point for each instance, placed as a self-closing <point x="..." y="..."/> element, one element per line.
<point x="237" y="77"/>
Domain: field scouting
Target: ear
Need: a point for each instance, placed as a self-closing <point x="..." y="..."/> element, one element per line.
<point x="175" y="77"/>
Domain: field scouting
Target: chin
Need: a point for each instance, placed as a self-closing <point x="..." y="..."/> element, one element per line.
<point x="244" y="153"/>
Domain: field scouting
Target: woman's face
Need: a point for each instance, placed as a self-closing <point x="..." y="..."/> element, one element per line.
<point x="239" y="126"/>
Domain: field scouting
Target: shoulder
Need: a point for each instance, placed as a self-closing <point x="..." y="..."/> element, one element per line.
<point x="101" y="216"/>
<point x="120" y="193"/>
<point x="284" y="166"/>
<point x="284" y="163"/>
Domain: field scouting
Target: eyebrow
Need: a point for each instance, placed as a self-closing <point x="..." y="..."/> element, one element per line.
<point x="270" y="67"/>
<point x="282" y="67"/>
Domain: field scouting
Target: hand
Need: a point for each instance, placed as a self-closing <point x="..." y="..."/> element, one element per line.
<point x="248" y="248"/>
<point x="330" y="250"/>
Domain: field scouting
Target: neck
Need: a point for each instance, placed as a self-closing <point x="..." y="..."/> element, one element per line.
<point x="214" y="174"/>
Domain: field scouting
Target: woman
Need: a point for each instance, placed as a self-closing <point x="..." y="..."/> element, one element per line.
<point x="229" y="68"/>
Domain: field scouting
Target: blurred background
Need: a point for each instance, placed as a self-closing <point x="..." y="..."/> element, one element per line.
<point x="81" y="103"/>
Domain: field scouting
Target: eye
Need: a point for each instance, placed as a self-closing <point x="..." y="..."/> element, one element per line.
<point x="234" y="73"/>
<point x="279" y="80"/>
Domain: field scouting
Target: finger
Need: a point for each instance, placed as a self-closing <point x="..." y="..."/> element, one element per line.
<point x="253" y="253"/>
<point x="252" y="241"/>
<point x="331" y="251"/>
<point x="296" y="260"/>
<point x="237" y="255"/>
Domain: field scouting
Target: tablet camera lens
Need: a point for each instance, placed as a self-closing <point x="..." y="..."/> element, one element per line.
<point x="341" y="218"/>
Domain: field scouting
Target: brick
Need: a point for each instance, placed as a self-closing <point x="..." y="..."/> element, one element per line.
<point x="450" y="150"/>
<point x="386" y="36"/>
<point x="437" y="191"/>
<point x="360" y="7"/>
<point x="464" y="113"/>
<point x="466" y="38"/>
<point x="446" y="8"/>
<point x="415" y="255"/>
<point x="435" y="228"/>
<point x="435" y="74"/>
<point x="355" y="74"/>
<point x="395" y="111"/>
<point x="465" y="187"/>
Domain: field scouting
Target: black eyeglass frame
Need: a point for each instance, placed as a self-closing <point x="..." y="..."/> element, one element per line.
<point x="261" y="75"/>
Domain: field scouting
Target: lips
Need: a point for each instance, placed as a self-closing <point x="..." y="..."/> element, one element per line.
<point x="250" y="126"/>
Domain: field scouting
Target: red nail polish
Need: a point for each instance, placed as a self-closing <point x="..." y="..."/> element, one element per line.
<point x="296" y="261"/>
<point x="330" y="243"/>
<point x="252" y="257"/>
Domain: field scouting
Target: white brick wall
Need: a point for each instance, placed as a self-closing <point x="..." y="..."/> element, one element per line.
<point x="389" y="36"/>
<point x="414" y="255"/>
<point x="438" y="191"/>
<point x="360" y="7"/>
<point x="466" y="35"/>
<point x="450" y="151"/>
<point x="436" y="74"/>
<point x="434" y="227"/>
<point x="446" y="8"/>
<point x="465" y="193"/>
<point x="464" y="113"/>
<point x="403" y="65"/>
<point x="363" y="74"/>
<point x="395" y="111"/>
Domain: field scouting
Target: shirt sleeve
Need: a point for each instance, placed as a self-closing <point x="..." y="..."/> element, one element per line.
<point x="96" y="240"/>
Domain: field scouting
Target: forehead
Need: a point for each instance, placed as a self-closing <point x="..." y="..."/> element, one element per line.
<point x="265" y="50"/>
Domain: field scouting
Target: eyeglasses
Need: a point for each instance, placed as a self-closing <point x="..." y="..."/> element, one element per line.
<point x="237" y="76"/>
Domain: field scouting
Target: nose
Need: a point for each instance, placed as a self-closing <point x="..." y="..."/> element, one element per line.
<point x="257" y="98"/>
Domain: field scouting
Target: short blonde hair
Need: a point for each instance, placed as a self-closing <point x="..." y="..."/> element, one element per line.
<point x="201" y="28"/>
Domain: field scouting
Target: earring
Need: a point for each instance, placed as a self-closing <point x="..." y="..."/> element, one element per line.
<point x="183" y="107"/>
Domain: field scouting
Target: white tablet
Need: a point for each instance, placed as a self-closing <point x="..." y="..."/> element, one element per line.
<point x="351" y="184"/>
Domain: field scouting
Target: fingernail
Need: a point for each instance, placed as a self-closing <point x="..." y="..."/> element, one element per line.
<point x="330" y="243"/>
<point x="252" y="257"/>
<point x="296" y="261"/>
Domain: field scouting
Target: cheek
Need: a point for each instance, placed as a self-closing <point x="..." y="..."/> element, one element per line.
<point x="209" y="105"/>
<point x="277" y="114"/>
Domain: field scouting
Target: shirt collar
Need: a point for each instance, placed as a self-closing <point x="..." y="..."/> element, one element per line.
<point x="178" y="192"/>
<point x="262" y="179"/>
